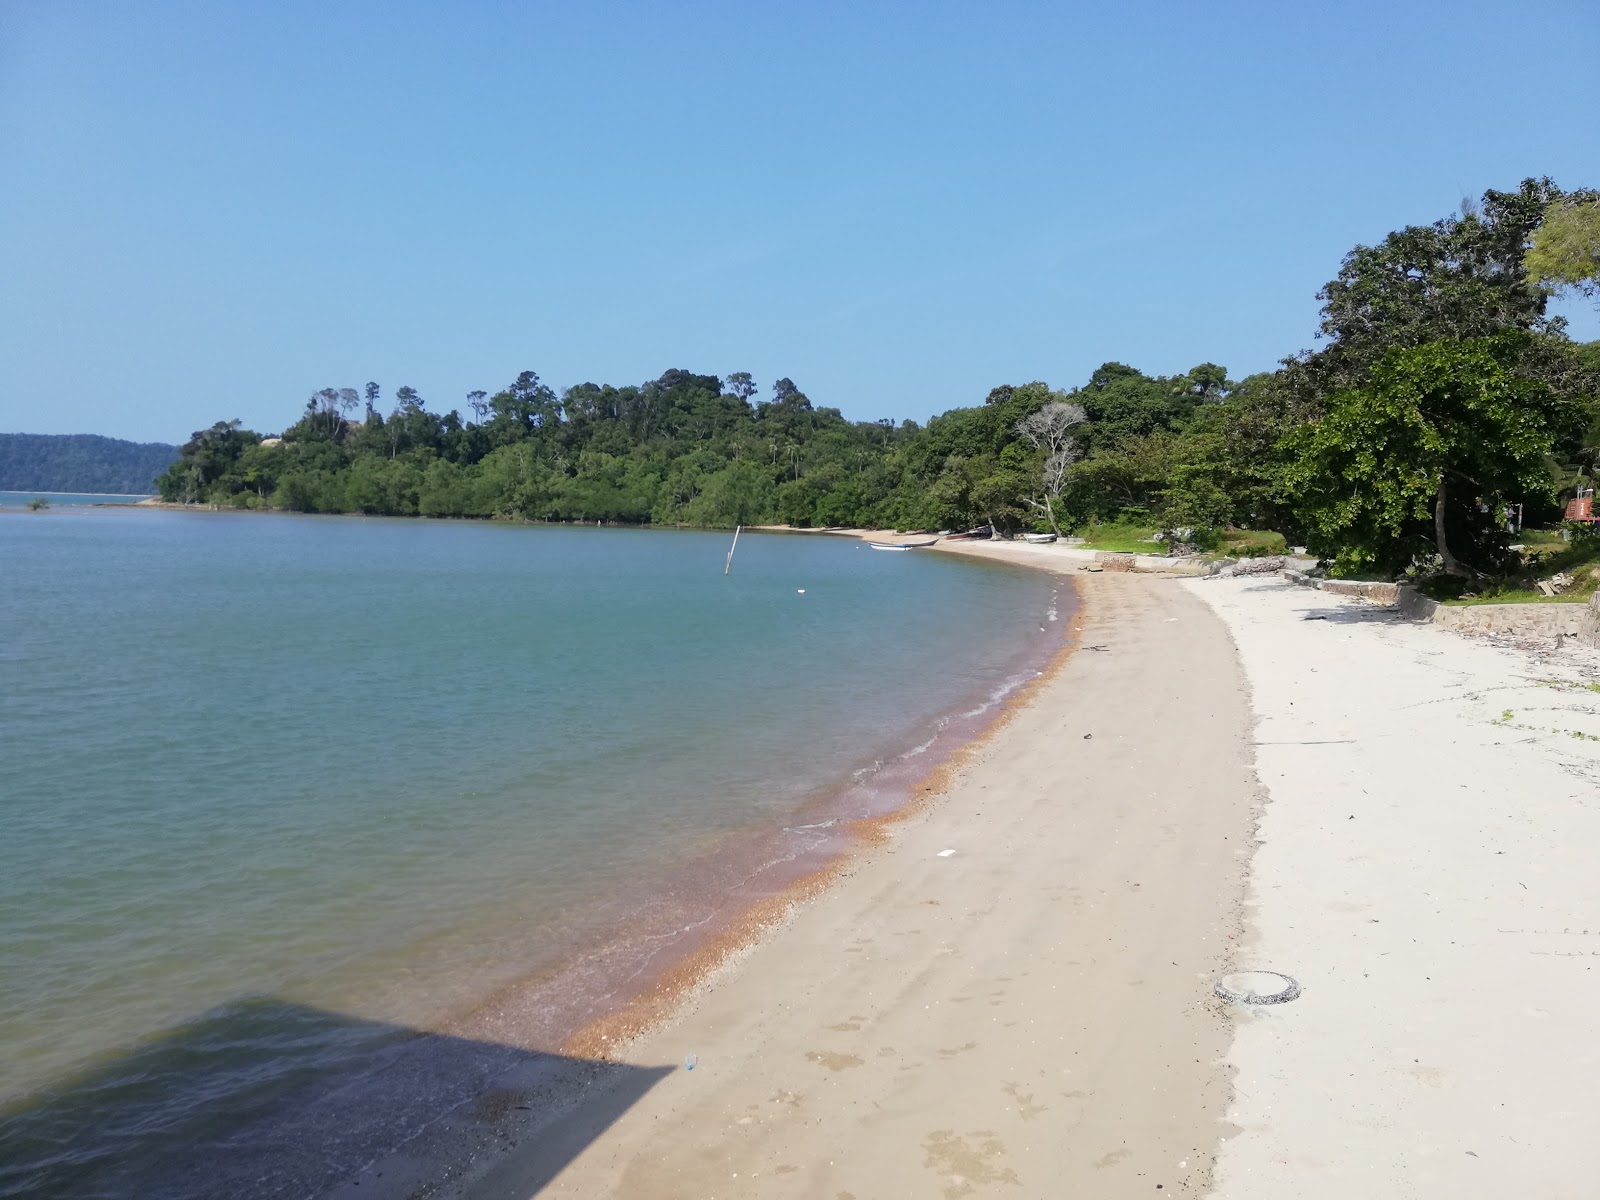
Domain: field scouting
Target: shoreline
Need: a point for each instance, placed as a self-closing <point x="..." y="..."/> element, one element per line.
<point x="742" y="1012"/>
<point x="442" y="1068"/>
<point x="654" y="995"/>
<point x="136" y="496"/>
<point x="1013" y="661"/>
<point x="649" y="992"/>
<point x="612" y="1033"/>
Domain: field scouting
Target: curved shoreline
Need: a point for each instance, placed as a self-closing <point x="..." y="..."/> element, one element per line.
<point x="442" y="1149"/>
<point x="1072" y="879"/>
<point x="611" y="1034"/>
<point x="720" y="926"/>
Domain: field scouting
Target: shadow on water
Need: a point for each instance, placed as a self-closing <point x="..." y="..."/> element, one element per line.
<point x="264" y="1099"/>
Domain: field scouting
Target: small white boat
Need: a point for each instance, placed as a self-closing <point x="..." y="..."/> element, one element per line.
<point x="886" y="546"/>
<point x="1039" y="539"/>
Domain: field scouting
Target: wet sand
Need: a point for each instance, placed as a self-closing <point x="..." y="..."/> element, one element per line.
<point x="1006" y="992"/>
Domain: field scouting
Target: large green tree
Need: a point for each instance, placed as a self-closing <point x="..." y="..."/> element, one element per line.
<point x="1459" y="278"/>
<point x="1425" y="454"/>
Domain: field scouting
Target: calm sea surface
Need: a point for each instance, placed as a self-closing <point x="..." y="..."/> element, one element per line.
<point x="276" y="791"/>
<point x="64" y="499"/>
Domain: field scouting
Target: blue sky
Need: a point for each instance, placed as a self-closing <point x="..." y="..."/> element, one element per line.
<point x="211" y="210"/>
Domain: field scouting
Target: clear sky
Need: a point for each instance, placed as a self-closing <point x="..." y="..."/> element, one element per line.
<point x="210" y="210"/>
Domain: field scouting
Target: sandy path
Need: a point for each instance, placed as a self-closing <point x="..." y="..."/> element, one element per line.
<point x="1026" y="1017"/>
<point x="1431" y="874"/>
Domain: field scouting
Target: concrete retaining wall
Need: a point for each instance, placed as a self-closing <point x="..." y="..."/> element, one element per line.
<point x="1378" y="593"/>
<point x="1178" y="566"/>
<point x="1575" y="623"/>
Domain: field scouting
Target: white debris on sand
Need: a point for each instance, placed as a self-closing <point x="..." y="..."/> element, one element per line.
<point x="1428" y="868"/>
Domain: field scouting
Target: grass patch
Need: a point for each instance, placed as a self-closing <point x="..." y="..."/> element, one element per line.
<point x="1542" y="537"/>
<point x="1125" y="546"/>
<point x="1251" y="543"/>
<point x="1126" y="537"/>
<point x="1120" y="537"/>
<point x="1519" y="592"/>
<point x="1579" y="553"/>
<point x="1579" y="558"/>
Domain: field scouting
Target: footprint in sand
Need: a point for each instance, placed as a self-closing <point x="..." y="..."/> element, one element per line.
<point x="958" y="1050"/>
<point x="834" y="1062"/>
<point x="1026" y="1108"/>
<point x="966" y="1162"/>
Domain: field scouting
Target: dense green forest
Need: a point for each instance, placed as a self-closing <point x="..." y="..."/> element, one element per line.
<point x="1443" y="393"/>
<point x="81" y="462"/>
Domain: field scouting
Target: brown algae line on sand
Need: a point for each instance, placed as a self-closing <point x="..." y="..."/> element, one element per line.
<point x="639" y="990"/>
<point x="1094" y="896"/>
<point x="607" y="1036"/>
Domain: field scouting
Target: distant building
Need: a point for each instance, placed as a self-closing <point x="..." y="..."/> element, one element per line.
<point x="272" y="441"/>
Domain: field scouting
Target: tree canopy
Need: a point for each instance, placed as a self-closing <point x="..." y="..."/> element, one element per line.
<point x="81" y="462"/>
<point x="1566" y="247"/>
<point x="1429" y="449"/>
<point x="1444" y="393"/>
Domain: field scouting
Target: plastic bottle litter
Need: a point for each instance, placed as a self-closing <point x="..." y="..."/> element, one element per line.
<point x="688" y="1063"/>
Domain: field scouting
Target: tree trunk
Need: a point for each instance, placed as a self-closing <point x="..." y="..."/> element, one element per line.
<point x="1050" y="512"/>
<point x="1451" y="566"/>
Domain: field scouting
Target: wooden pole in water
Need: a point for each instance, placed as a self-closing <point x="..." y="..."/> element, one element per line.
<point x="732" y="548"/>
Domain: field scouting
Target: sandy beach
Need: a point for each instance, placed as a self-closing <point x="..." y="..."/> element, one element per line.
<point x="1010" y="994"/>
<point x="1429" y="869"/>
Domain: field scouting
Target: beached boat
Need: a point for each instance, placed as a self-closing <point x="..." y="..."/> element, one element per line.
<point x="977" y="535"/>
<point x="903" y="545"/>
<point x="1039" y="539"/>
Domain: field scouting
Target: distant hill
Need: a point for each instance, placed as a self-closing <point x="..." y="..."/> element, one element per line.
<point x="80" y="462"/>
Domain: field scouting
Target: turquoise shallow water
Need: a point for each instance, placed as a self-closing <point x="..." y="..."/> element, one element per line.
<point x="63" y="499"/>
<point x="277" y="790"/>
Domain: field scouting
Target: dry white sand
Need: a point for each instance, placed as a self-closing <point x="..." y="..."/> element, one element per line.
<point x="1011" y="997"/>
<point x="1430" y="872"/>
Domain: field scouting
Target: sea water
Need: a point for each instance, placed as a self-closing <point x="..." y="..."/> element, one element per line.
<point x="65" y="499"/>
<point x="276" y="790"/>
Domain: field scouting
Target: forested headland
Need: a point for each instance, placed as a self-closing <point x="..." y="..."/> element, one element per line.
<point x="81" y="462"/>
<point x="1442" y="393"/>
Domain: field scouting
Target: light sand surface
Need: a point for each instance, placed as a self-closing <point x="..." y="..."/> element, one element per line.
<point x="1030" y="1015"/>
<point x="1011" y="996"/>
<point x="1430" y="872"/>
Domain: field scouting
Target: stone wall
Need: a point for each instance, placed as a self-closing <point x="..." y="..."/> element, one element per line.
<point x="1578" y="624"/>
<point x="1378" y="593"/>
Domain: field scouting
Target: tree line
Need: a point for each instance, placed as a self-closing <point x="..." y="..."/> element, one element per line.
<point x="1444" y="393"/>
<point x="81" y="462"/>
